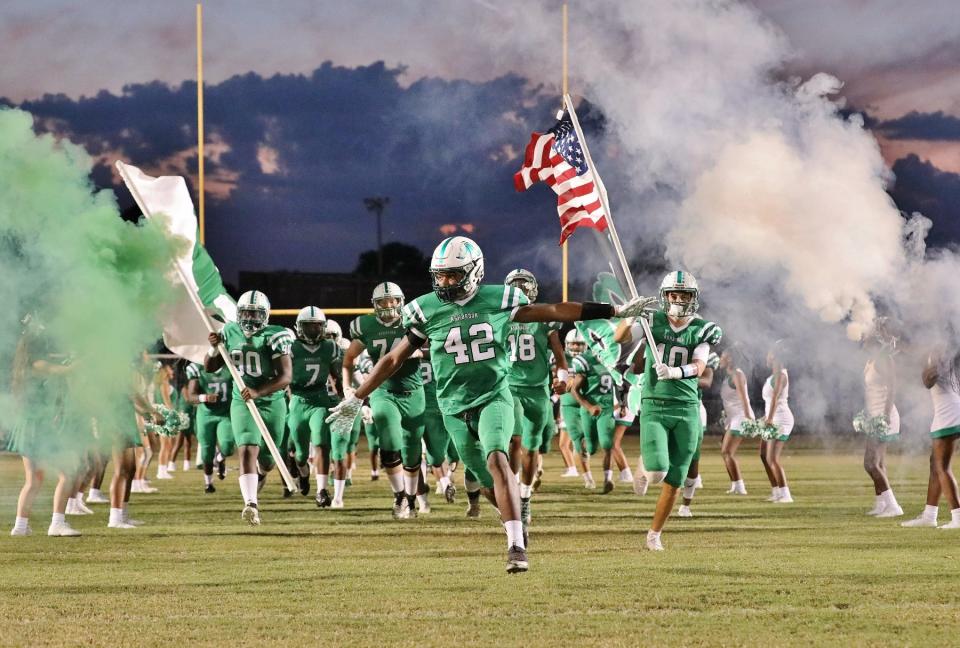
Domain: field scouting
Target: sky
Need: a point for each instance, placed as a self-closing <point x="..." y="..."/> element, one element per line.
<point x="312" y="106"/>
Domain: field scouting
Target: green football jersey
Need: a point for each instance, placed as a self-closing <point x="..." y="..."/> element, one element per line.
<point x="469" y="351"/>
<point x="312" y="365"/>
<point x="597" y="385"/>
<point x="567" y="398"/>
<point x="530" y="353"/>
<point x="253" y="357"/>
<point x="379" y="339"/>
<point x="675" y="347"/>
<point x="429" y="384"/>
<point x="218" y="382"/>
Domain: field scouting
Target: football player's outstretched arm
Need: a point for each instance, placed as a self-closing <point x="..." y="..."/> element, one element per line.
<point x="576" y="311"/>
<point x="386" y="366"/>
<point x="349" y="358"/>
<point x="562" y="372"/>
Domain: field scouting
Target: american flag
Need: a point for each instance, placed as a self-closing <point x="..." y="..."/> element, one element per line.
<point x="556" y="158"/>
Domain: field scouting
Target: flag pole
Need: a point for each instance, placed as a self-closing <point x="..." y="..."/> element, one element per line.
<point x="611" y="228"/>
<point x="200" y="201"/>
<point x="234" y="373"/>
<point x="565" y="253"/>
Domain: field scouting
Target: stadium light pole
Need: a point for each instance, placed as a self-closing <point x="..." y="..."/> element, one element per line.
<point x="377" y="205"/>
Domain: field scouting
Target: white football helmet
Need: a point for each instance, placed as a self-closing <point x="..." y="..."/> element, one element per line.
<point x="457" y="254"/>
<point x="684" y="282"/>
<point x="387" y="315"/>
<point x="524" y="281"/>
<point x="253" y="312"/>
<point x="333" y="331"/>
<point x="316" y="324"/>
<point x="574" y="343"/>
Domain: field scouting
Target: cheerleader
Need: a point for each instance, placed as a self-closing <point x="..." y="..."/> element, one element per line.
<point x="942" y="377"/>
<point x="736" y="410"/>
<point x="879" y="385"/>
<point x="776" y="394"/>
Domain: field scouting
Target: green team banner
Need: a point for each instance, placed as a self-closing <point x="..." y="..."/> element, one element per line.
<point x="167" y="198"/>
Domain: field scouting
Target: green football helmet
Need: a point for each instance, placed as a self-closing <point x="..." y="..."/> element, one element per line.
<point x="387" y="314"/>
<point x="253" y="312"/>
<point x="525" y="282"/>
<point x="311" y="324"/>
<point x="682" y="282"/>
<point x="457" y="254"/>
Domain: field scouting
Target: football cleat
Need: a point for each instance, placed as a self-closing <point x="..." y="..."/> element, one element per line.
<point x="684" y="512"/>
<point x="323" y="498"/>
<point x="516" y="560"/>
<point x="607" y="487"/>
<point x="209" y="489"/>
<point x="473" y="507"/>
<point x="654" y="544"/>
<point x="450" y="493"/>
<point x="25" y="531"/>
<point x="251" y="514"/>
<point x="62" y="530"/>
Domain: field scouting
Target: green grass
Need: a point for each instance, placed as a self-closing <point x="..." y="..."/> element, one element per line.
<point x="742" y="572"/>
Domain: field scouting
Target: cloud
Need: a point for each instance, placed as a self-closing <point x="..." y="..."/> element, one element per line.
<point x="922" y="187"/>
<point x="922" y="126"/>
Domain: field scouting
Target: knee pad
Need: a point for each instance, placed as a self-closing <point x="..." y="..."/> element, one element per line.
<point x="390" y="458"/>
<point x="656" y="476"/>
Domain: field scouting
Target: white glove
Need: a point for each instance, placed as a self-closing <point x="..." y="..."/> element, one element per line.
<point x="366" y="414"/>
<point x="635" y="307"/>
<point x="343" y="415"/>
<point x="669" y="373"/>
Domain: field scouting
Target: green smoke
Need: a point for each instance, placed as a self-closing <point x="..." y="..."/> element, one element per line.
<point x="93" y="284"/>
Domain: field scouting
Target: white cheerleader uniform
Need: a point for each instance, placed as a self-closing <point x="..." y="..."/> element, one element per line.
<point x="946" y="405"/>
<point x="875" y="399"/>
<point x="732" y="407"/>
<point x="782" y="417"/>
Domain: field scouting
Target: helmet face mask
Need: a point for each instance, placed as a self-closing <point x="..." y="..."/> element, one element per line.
<point x="387" y="302"/>
<point x="525" y="282"/>
<point x="253" y="312"/>
<point x="679" y="295"/>
<point x="311" y="324"/>
<point x="456" y="269"/>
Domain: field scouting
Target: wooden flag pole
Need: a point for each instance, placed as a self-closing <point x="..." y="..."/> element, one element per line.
<point x="565" y="253"/>
<point x="200" y="203"/>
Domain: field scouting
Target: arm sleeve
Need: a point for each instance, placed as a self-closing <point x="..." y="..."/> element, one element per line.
<point x="701" y="352"/>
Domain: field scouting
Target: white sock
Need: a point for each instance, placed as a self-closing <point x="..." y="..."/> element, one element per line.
<point x="207" y="479"/>
<point x="689" y="487"/>
<point x="116" y="515"/>
<point x="161" y="471"/>
<point x="58" y="518"/>
<point x="94" y="492"/>
<point x="626" y="474"/>
<point x="444" y="482"/>
<point x="739" y="486"/>
<point x="248" y="488"/>
<point x="955" y="516"/>
<point x="374" y="473"/>
<point x="171" y="466"/>
<point x="71" y="503"/>
<point x="186" y="465"/>
<point x="930" y="512"/>
<point x="514" y="533"/>
<point x="887" y="496"/>
<point x="653" y="535"/>
<point x="526" y="490"/>
<point x="21" y="523"/>
<point x="776" y="492"/>
<point x="785" y="492"/>
<point x="587" y="477"/>
<point x="219" y="456"/>
<point x="338" y="487"/>
<point x="422" y="500"/>
<point x="410" y="483"/>
<point x="396" y="481"/>
<point x="607" y="475"/>
<point x="79" y="497"/>
<point x="321" y="481"/>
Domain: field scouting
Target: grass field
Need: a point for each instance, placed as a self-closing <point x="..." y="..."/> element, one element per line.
<point x="742" y="572"/>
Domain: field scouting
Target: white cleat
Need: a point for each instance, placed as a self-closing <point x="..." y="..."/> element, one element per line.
<point x="684" y="511"/>
<point x="877" y="509"/>
<point x="439" y="489"/>
<point x="891" y="512"/>
<point x="590" y="484"/>
<point x="784" y="500"/>
<point x="251" y="515"/>
<point x="97" y="499"/>
<point x="953" y="524"/>
<point x="920" y="522"/>
<point x="570" y="472"/>
<point x="147" y="488"/>
<point x="25" y="531"/>
<point x="336" y="504"/>
<point x="133" y="522"/>
<point x="83" y="509"/>
<point x="654" y="544"/>
<point x="640" y="484"/>
<point x="62" y="530"/>
<point x="424" y="509"/>
<point x="120" y="525"/>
